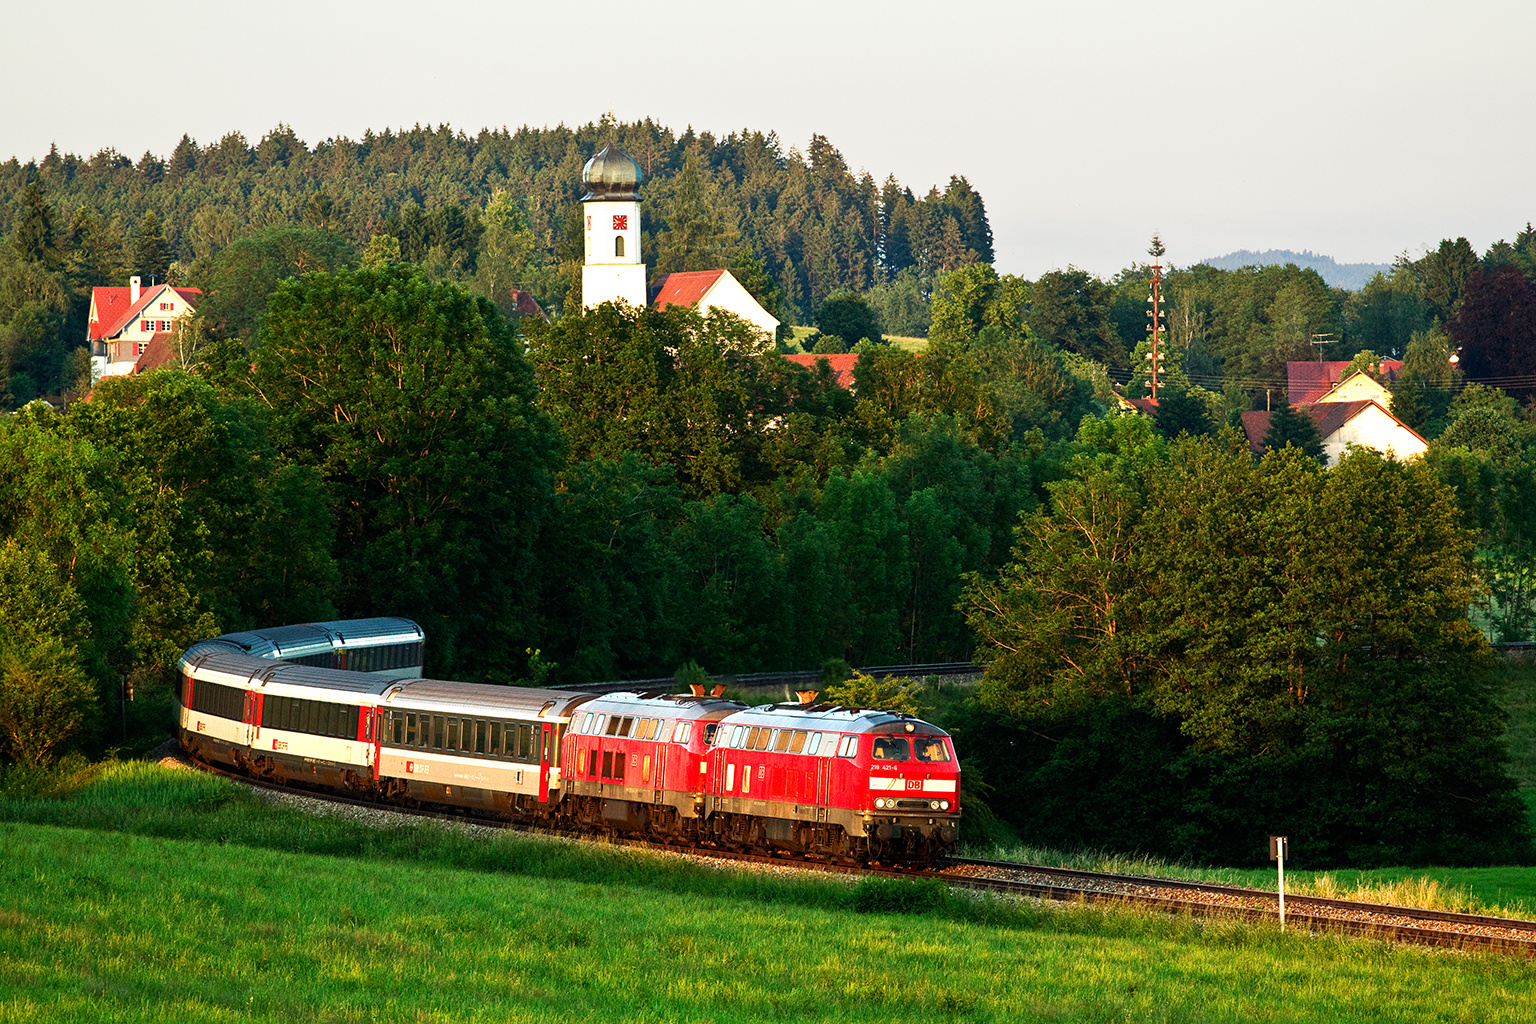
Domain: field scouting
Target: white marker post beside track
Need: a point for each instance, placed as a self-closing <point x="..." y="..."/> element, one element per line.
<point x="1277" y="852"/>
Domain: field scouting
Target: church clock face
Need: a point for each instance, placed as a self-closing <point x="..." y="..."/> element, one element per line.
<point x="621" y="222"/>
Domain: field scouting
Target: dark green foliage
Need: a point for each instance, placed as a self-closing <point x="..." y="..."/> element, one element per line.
<point x="240" y="280"/>
<point x="848" y="315"/>
<point x="1181" y="412"/>
<point x="1271" y="684"/>
<point x="1288" y="426"/>
<point x="814" y="226"/>
<point x="1070" y="309"/>
<point x="876" y="894"/>
<point x="415" y="404"/>
<point x="1495" y="325"/>
<point x="151" y="253"/>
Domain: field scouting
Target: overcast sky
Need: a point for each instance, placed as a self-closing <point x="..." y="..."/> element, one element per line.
<point x="1355" y="129"/>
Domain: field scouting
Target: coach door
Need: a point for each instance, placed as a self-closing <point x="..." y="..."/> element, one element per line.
<point x="823" y="786"/>
<point x="542" y="738"/>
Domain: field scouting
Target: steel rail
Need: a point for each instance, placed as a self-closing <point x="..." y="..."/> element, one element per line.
<point x="1062" y="893"/>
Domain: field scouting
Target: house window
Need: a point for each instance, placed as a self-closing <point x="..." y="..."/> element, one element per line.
<point x="162" y="325"/>
<point x="139" y="347"/>
<point x="618" y="245"/>
<point x="147" y="326"/>
<point x="167" y="306"/>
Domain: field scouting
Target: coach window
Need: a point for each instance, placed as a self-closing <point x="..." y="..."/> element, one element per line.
<point x="495" y="740"/>
<point x="764" y="737"/>
<point x="797" y="742"/>
<point x="439" y="730"/>
<point x="782" y="740"/>
<point x="453" y="733"/>
<point x="482" y="733"/>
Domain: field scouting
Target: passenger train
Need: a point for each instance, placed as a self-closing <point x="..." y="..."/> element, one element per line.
<point x="342" y="705"/>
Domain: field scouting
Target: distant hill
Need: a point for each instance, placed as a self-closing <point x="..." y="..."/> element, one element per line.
<point x="1338" y="275"/>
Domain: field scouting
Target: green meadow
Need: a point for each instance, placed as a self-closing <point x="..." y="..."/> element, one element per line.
<point x="132" y="892"/>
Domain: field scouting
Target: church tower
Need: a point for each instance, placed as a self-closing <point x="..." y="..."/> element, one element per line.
<point x="612" y="269"/>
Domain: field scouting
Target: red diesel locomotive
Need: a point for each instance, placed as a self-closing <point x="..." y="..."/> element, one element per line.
<point x="816" y="780"/>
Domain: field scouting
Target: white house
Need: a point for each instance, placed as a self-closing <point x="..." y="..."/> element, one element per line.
<point x="715" y="289"/>
<point x="130" y="327"/>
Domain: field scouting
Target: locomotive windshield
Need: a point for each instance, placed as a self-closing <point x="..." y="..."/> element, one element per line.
<point x="931" y="748"/>
<point x="891" y="748"/>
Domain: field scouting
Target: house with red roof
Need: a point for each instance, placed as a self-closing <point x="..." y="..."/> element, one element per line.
<point x="714" y="289"/>
<point x="129" y="329"/>
<point x="1354" y="411"/>
<point x="1308" y="382"/>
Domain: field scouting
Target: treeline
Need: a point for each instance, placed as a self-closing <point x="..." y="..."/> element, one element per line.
<point x="614" y="494"/>
<point x="804" y="220"/>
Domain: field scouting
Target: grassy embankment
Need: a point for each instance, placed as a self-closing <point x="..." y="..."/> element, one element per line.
<point x="138" y="893"/>
<point x="1504" y="891"/>
<point x="798" y="335"/>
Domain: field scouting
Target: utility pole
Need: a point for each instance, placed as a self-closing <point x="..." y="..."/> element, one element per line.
<point x="1154" y="312"/>
<point x="1320" y="340"/>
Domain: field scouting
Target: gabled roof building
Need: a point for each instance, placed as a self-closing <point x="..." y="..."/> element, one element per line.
<point x="129" y="328"/>
<point x="1352" y="411"/>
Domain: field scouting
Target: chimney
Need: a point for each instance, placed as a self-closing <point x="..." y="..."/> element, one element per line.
<point x="807" y="696"/>
<point x="718" y="690"/>
<point x="133" y="289"/>
<point x="697" y="688"/>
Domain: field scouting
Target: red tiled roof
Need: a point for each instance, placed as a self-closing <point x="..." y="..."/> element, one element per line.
<point x="842" y="365"/>
<point x="156" y="354"/>
<point x="1307" y="382"/>
<point x="1329" y="417"/>
<point x="123" y="310"/>
<point x="685" y="288"/>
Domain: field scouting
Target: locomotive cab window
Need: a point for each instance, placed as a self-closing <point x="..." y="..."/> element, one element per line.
<point x="930" y="748"/>
<point x="891" y="748"/>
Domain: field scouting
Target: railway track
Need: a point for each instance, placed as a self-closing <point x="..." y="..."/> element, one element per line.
<point x="1176" y="896"/>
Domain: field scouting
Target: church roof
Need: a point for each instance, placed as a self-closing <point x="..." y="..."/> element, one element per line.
<point x="611" y="174"/>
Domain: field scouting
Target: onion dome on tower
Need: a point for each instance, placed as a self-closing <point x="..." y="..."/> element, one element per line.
<point x="611" y="175"/>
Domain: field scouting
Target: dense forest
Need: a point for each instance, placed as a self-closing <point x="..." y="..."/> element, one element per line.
<point x="358" y="427"/>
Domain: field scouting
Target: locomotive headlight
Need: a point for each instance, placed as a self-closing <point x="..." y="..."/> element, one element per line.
<point x="933" y="805"/>
<point x="943" y="805"/>
<point x="880" y="802"/>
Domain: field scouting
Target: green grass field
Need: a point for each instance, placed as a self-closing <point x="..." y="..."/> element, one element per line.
<point x="798" y="335"/>
<point x="138" y="893"/>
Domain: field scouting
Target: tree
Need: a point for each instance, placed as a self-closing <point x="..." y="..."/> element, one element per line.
<point x="974" y="297"/>
<point x="414" y="402"/>
<point x="1182" y="411"/>
<point x="151" y="253"/>
<point x="847" y="315"/>
<point x="1495" y="325"/>
<point x="32" y="228"/>
<point x="240" y="279"/>
<point x="1171" y="617"/>
<point x="896" y="694"/>
<point x="45" y="700"/>
<point x="1290" y="426"/>
<point x="1070" y="309"/>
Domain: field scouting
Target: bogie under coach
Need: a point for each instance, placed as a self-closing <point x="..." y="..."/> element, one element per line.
<point x="815" y="780"/>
